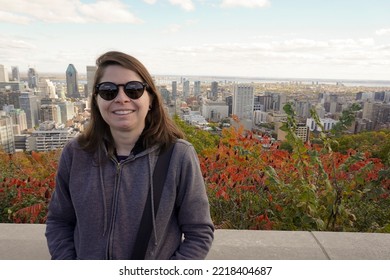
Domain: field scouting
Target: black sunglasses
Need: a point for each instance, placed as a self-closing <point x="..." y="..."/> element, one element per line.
<point x="133" y="89"/>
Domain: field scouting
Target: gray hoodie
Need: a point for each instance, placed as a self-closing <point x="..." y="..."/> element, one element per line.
<point x="96" y="208"/>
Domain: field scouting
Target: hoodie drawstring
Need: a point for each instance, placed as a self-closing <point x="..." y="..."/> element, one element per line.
<point x="104" y="195"/>
<point x="152" y="199"/>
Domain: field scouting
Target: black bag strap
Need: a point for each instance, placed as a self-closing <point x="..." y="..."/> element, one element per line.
<point x="146" y="225"/>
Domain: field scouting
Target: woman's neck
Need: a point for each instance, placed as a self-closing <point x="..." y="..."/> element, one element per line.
<point x="125" y="141"/>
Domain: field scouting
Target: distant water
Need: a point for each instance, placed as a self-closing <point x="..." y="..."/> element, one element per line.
<point x="222" y="79"/>
<point x="346" y="82"/>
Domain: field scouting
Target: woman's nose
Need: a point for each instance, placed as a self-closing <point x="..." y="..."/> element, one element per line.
<point x="121" y="94"/>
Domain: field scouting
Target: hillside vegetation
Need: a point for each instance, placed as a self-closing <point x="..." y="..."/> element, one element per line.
<point x="338" y="184"/>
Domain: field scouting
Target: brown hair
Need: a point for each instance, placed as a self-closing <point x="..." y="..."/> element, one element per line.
<point x="159" y="127"/>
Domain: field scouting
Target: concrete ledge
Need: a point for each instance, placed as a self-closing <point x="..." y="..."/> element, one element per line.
<point x="27" y="242"/>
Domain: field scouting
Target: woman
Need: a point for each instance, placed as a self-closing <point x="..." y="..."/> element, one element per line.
<point x="105" y="184"/>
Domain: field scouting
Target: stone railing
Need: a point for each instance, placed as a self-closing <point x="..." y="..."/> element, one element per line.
<point x="27" y="242"/>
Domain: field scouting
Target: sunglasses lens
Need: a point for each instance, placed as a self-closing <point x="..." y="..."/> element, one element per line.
<point x="134" y="89"/>
<point x="107" y="91"/>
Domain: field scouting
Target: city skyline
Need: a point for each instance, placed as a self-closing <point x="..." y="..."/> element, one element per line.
<point x="243" y="38"/>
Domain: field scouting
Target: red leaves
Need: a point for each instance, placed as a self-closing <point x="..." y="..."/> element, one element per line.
<point x="26" y="191"/>
<point x="239" y="186"/>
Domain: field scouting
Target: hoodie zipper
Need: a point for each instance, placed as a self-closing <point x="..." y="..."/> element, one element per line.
<point x="114" y="210"/>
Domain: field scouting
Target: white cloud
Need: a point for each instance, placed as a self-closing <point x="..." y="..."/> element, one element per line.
<point x="245" y="3"/>
<point x="184" y="4"/>
<point x="349" y="58"/>
<point x="383" y="31"/>
<point x="107" y="11"/>
<point x="11" y="43"/>
<point x="16" y="50"/>
<point x="293" y="52"/>
<point x="13" y="18"/>
<point x="187" y="5"/>
<point x="66" y="11"/>
<point x="151" y="2"/>
<point x="173" y="28"/>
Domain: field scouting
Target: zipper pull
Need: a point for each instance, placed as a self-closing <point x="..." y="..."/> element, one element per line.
<point x="118" y="168"/>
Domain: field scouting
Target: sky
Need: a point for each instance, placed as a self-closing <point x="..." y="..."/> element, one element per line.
<point x="332" y="39"/>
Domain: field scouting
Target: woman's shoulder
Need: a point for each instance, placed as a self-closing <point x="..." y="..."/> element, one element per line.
<point x="72" y="144"/>
<point x="73" y="147"/>
<point x="184" y="148"/>
<point x="182" y="144"/>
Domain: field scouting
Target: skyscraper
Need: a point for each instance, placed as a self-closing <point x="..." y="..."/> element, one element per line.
<point x="91" y="70"/>
<point x="67" y="110"/>
<point x="19" y="119"/>
<point x="3" y="74"/>
<point x="72" y="88"/>
<point x="197" y="88"/>
<point x="7" y="142"/>
<point x="186" y="89"/>
<point x="29" y="103"/>
<point x="33" y="78"/>
<point x="174" y="90"/>
<point x="15" y="73"/>
<point x="214" y="91"/>
<point x="243" y="100"/>
<point x="50" y="112"/>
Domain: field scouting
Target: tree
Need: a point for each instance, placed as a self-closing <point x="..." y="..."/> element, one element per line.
<point x="346" y="120"/>
<point x="200" y="139"/>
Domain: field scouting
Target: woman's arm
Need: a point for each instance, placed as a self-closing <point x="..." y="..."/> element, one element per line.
<point x="193" y="210"/>
<point x="61" y="217"/>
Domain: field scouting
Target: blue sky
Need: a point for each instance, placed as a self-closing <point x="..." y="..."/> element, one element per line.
<point x="338" y="39"/>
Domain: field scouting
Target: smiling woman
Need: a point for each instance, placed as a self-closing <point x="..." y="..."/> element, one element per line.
<point x="129" y="187"/>
<point x="120" y="109"/>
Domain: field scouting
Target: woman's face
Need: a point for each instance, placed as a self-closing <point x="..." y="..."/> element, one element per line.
<point x="123" y="113"/>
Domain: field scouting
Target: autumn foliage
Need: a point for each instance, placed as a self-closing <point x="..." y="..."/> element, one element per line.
<point x="27" y="182"/>
<point x="252" y="183"/>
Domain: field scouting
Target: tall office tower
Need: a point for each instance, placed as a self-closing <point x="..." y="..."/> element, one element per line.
<point x="302" y="108"/>
<point x="18" y="117"/>
<point x="214" y="91"/>
<point x="387" y="97"/>
<point x="266" y="101"/>
<point x="379" y="96"/>
<point x="359" y="95"/>
<point x="174" y="90"/>
<point x="33" y="78"/>
<point x="368" y="108"/>
<point x="229" y="102"/>
<point x="50" y="112"/>
<point x="3" y="74"/>
<point x="243" y="100"/>
<point x="9" y="98"/>
<point x="72" y="87"/>
<point x="46" y="88"/>
<point x="197" y="88"/>
<point x="29" y="103"/>
<point x="166" y="95"/>
<point x="7" y="142"/>
<point x="91" y="70"/>
<point x="257" y="106"/>
<point x="382" y="115"/>
<point x="186" y="89"/>
<point x="278" y="101"/>
<point x="333" y="97"/>
<point x="67" y="111"/>
<point x="15" y="73"/>
<point x="60" y="90"/>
